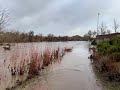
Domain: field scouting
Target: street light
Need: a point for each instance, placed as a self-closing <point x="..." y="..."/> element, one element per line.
<point x="98" y="24"/>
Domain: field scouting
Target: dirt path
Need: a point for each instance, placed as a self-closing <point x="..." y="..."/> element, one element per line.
<point x="74" y="72"/>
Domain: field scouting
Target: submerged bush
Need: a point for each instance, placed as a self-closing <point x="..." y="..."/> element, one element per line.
<point x="115" y="41"/>
<point x="103" y="47"/>
<point x="116" y="56"/>
<point x="108" y="47"/>
<point x="68" y="49"/>
<point x="113" y="48"/>
<point x="33" y="62"/>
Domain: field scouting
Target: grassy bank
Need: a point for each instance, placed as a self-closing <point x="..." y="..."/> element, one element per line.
<point x="106" y="61"/>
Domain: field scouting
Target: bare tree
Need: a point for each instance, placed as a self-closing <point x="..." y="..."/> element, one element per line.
<point x="89" y="33"/>
<point x="31" y="35"/>
<point x="108" y="31"/>
<point x="115" y="26"/>
<point x="3" y="19"/>
<point x="103" y="29"/>
<point x="94" y="34"/>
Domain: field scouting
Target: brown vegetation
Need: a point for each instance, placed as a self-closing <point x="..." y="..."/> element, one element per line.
<point x="68" y="49"/>
<point x="8" y="37"/>
<point x="35" y="61"/>
<point x="107" y="66"/>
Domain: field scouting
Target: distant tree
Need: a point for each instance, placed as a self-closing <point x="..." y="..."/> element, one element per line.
<point x="30" y="35"/>
<point x="3" y="19"/>
<point x="103" y="29"/>
<point x="17" y="35"/>
<point x="108" y="31"/>
<point x="40" y="37"/>
<point x="89" y="33"/>
<point x="94" y="34"/>
<point x="23" y="37"/>
<point x="115" y="26"/>
<point x="50" y="37"/>
<point x="86" y="37"/>
<point x="75" y="38"/>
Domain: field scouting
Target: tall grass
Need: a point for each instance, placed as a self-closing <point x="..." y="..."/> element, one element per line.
<point x="32" y="63"/>
<point x="35" y="63"/>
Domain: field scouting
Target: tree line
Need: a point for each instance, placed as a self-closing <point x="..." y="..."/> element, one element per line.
<point x="21" y="37"/>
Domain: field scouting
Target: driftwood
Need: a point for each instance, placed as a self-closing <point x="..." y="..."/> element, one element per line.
<point x="7" y="47"/>
<point x="68" y="49"/>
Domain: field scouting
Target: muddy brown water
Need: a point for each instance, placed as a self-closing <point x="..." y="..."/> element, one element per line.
<point x="74" y="72"/>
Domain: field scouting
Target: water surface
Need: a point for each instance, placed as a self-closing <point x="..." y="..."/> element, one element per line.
<point x="74" y="72"/>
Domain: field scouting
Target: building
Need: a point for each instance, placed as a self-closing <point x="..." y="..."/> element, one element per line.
<point x="106" y="37"/>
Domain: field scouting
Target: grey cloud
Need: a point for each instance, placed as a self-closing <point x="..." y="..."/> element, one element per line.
<point x="54" y="16"/>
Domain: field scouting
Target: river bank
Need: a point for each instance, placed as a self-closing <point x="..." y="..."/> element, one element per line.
<point x="106" y="63"/>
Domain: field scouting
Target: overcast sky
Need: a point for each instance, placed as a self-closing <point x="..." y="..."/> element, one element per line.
<point x="60" y="17"/>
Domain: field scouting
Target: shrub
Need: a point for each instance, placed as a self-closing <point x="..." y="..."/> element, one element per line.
<point x="35" y="60"/>
<point x="110" y="46"/>
<point x="113" y="73"/>
<point x="103" y="47"/>
<point x="47" y="57"/>
<point x="115" y="41"/>
<point x="113" y="48"/>
<point x="108" y="58"/>
<point x="116" y="56"/>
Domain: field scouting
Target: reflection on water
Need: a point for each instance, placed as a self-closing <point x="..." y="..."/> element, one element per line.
<point x="72" y="73"/>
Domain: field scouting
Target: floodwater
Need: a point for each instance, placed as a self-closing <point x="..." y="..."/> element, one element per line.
<point x="73" y="72"/>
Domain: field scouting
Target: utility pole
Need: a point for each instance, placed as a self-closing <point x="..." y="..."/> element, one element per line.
<point x="98" y="24"/>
